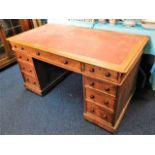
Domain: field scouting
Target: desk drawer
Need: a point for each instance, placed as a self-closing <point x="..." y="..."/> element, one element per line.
<point x="101" y="73"/>
<point x="100" y="98"/>
<point x="100" y="85"/>
<point x="98" y="111"/>
<point x="20" y="48"/>
<point x="23" y="57"/>
<point x="27" y="68"/>
<point x="30" y="80"/>
<point x="70" y="64"/>
<point x="57" y="60"/>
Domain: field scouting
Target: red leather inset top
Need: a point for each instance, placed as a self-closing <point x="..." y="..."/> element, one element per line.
<point x="101" y="45"/>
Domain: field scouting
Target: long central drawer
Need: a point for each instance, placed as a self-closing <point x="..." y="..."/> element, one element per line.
<point x="63" y="62"/>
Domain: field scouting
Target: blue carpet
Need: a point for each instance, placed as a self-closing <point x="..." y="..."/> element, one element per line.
<point x="61" y="110"/>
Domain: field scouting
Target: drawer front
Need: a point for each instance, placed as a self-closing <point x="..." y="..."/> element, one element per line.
<point x="100" y="85"/>
<point x="23" y="57"/>
<point x="27" y="68"/>
<point x="100" y="98"/>
<point x="20" y="48"/>
<point x="101" y="73"/>
<point x="70" y="64"/>
<point x="57" y="60"/>
<point x="98" y="111"/>
<point x="30" y="80"/>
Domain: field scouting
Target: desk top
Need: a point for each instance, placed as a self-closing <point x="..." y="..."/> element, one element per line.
<point x="111" y="50"/>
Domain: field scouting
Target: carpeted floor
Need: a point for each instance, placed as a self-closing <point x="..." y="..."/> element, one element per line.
<point x="61" y="110"/>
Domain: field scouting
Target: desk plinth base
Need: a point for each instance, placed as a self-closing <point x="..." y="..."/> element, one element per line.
<point x="33" y="89"/>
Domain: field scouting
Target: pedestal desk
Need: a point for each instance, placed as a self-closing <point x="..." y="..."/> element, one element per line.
<point x="108" y="62"/>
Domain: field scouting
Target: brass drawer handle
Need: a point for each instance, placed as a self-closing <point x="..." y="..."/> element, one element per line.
<point x="92" y="96"/>
<point x="107" y="89"/>
<point x="65" y="62"/>
<point x="92" y="84"/>
<point x="92" y="70"/>
<point x="38" y="53"/>
<point x="104" y="116"/>
<point x="107" y="74"/>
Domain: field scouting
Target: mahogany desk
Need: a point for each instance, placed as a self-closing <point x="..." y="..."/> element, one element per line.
<point x="108" y="62"/>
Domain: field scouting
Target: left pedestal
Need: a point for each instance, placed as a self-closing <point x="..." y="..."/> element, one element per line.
<point x="39" y="77"/>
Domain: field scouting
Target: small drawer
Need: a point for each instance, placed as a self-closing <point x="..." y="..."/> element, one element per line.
<point x="23" y="57"/>
<point x="100" y="85"/>
<point x="44" y="55"/>
<point x="66" y="63"/>
<point x="19" y="48"/>
<point x="98" y="111"/>
<point x="27" y="68"/>
<point x="100" y="98"/>
<point x="70" y="64"/>
<point x="30" y="80"/>
<point x="101" y="73"/>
